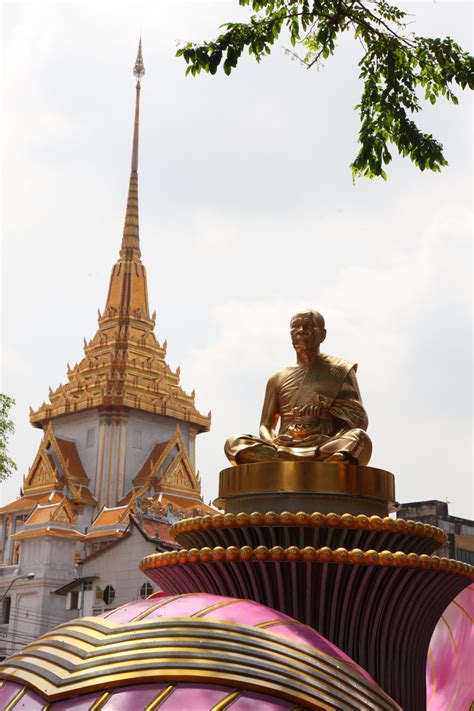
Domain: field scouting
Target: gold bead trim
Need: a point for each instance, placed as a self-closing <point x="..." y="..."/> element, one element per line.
<point x="308" y="555"/>
<point x="317" y="520"/>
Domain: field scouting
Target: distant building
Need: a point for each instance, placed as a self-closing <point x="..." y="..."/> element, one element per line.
<point x="120" y="431"/>
<point x="460" y="531"/>
<point x="109" y="576"/>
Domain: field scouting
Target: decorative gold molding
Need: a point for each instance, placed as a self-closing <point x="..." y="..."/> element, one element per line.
<point x="316" y="519"/>
<point x="91" y="654"/>
<point x="399" y="559"/>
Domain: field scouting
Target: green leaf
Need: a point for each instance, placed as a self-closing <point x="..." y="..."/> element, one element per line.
<point x="394" y="67"/>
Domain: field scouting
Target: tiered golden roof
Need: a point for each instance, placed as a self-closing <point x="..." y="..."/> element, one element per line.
<point x="124" y="365"/>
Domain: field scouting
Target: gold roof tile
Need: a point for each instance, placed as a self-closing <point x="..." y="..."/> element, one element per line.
<point x="42" y="514"/>
<point x="25" y="503"/>
<point x="111" y="516"/>
<point x="47" y="531"/>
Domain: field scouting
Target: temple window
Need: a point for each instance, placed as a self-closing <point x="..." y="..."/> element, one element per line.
<point x="146" y="590"/>
<point x="74" y="600"/>
<point x="109" y="595"/>
<point x="137" y="439"/>
<point x="16" y="554"/>
<point x="6" y="607"/>
<point x="90" y="439"/>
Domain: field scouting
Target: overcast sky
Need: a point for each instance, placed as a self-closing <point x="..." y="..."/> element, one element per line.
<point x="247" y="213"/>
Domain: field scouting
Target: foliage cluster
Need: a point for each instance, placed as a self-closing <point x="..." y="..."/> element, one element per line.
<point x="398" y="68"/>
<point x="7" y="465"/>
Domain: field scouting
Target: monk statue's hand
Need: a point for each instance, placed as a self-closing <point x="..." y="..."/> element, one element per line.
<point x="284" y="440"/>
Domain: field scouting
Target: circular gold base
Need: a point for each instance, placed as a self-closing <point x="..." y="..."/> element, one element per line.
<point x="306" y="486"/>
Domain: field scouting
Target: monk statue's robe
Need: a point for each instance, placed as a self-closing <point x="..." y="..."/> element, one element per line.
<point x="321" y="416"/>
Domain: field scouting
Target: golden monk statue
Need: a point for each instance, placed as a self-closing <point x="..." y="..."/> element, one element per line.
<point x="317" y="402"/>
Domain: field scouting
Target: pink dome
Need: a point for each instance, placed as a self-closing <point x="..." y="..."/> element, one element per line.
<point x="449" y="678"/>
<point x="190" y="651"/>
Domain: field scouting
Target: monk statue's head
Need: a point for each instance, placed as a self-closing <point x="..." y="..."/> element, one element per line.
<point x="308" y="331"/>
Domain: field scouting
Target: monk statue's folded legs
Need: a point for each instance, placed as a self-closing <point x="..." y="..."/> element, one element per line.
<point x="246" y="449"/>
<point x="352" y="445"/>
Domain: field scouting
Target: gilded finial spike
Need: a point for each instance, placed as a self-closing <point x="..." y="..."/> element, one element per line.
<point x="139" y="68"/>
<point x="130" y="241"/>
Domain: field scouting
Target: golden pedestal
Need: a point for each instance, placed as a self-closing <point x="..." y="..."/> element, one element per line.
<point x="306" y="486"/>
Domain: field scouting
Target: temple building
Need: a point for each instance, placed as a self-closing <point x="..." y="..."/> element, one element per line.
<point x="116" y="465"/>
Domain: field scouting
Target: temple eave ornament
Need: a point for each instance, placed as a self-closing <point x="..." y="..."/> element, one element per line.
<point x="129" y="401"/>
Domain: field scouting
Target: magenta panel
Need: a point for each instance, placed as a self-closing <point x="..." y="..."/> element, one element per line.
<point x="198" y="697"/>
<point x="186" y="605"/>
<point x="449" y="675"/>
<point x="8" y="691"/>
<point x="133" y="698"/>
<point x="250" y="701"/>
<point x="79" y="703"/>
<point x="245" y="612"/>
<point x="128" y="611"/>
<point x="31" y="701"/>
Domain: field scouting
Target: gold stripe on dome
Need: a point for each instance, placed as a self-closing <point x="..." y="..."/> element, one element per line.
<point x="101" y="701"/>
<point x="164" y="694"/>
<point x="397" y="559"/>
<point x="164" y="649"/>
<point x="212" y="608"/>
<point x="272" y="623"/>
<point x="227" y="700"/>
<point x="315" y="519"/>
<point x="463" y="609"/>
<point x="11" y="705"/>
<point x="160" y="603"/>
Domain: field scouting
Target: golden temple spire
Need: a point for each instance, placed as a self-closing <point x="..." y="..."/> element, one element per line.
<point x="124" y="365"/>
<point x="128" y="294"/>
<point x="131" y="238"/>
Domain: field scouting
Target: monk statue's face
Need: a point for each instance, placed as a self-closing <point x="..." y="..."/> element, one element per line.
<point x="307" y="333"/>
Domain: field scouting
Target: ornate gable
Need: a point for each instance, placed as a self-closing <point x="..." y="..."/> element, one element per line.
<point x="43" y="475"/>
<point x="64" y="513"/>
<point x="168" y="468"/>
<point x="56" y="465"/>
<point x="180" y="476"/>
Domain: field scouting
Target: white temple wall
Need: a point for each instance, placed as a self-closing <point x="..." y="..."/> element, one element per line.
<point x="118" y="566"/>
<point x="83" y="429"/>
<point x="48" y="556"/>
<point x="113" y="451"/>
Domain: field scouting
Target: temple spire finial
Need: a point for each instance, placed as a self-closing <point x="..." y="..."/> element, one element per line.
<point x="138" y="72"/>
<point x="130" y="241"/>
<point x="139" y="68"/>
